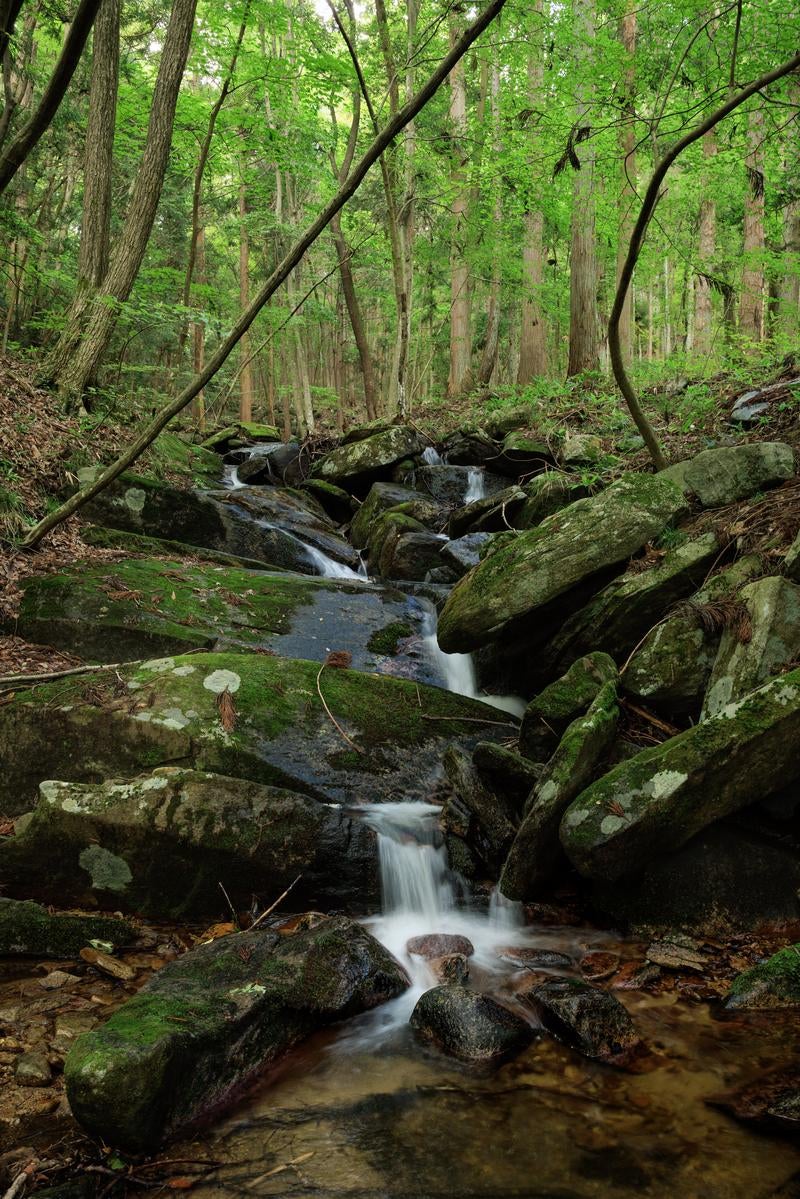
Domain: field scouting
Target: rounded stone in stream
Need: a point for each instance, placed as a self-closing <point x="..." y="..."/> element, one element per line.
<point x="468" y="1025"/>
<point x="590" y="1020"/>
<point x="534" y="959"/>
<point x="437" y="945"/>
<point x="451" y="968"/>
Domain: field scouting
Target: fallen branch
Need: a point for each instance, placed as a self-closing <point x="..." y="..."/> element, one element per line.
<point x="331" y="716"/>
<point x="273" y="906"/>
<point x="278" y="276"/>
<point x="472" y="719"/>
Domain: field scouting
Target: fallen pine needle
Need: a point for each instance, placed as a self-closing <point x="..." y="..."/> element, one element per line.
<point x="331" y="716"/>
<point x="280" y="1169"/>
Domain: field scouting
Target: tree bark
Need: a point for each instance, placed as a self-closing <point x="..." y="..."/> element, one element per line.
<point x="19" y="149"/>
<point x="246" y="388"/>
<point x="489" y="355"/>
<point x="460" y="379"/>
<point x="532" y="346"/>
<point x="627" y="146"/>
<point x="703" y="294"/>
<point x="278" y="276"/>
<point x="83" y="342"/>
<point x="751" y="303"/>
<point x="96" y="219"/>
<point x="583" y="318"/>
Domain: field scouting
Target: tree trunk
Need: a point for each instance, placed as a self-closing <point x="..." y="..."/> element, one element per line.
<point x="96" y="220"/>
<point x="82" y="344"/>
<point x="199" y="331"/>
<point x="460" y="379"/>
<point x="627" y="146"/>
<point x="583" y="320"/>
<point x="751" y="303"/>
<point x="489" y="355"/>
<point x="703" y="294"/>
<point x="19" y="149"/>
<point x="246" y="389"/>
<point x="532" y="347"/>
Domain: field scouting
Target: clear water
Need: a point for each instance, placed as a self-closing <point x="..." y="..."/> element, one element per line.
<point x="476" y="485"/>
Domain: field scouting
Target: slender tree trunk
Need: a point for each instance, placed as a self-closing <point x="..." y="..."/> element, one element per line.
<point x="583" y="320"/>
<point x="627" y="146"/>
<point x="751" y="304"/>
<point x="82" y="344"/>
<point x="703" y="295"/>
<point x="246" y="388"/>
<point x="460" y="379"/>
<point x="489" y="355"/>
<point x="532" y="346"/>
<point x="199" y="332"/>
<point x="96" y="219"/>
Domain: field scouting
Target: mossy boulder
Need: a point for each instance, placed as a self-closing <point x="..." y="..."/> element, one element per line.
<point x="469" y="1025"/>
<point x="359" y="461"/>
<point x="491" y="514"/>
<point x="160" y="547"/>
<point x="522" y="454"/>
<point x="773" y="641"/>
<point x="469" y="447"/>
<point x="384" y="535"/>
<point x="171" y="455"/>
<point x="482" y="818"/>
<point x="209" y="1022"/>
<point x="506" y="772"/>
<point x="387" y="741"/>
<point x="624" y="611"/>
<point x="30" y="930"/>
<point x="791" y="561"/>
<point x="658" y="800"/>
<point x="412" y="556"/>
<point x="771" y="984"/>
<point x="536" y="854"/>
<point x="128" y="610"/>
<point x="547" y="493"/>
<point x="569" y="548"/>
<point x="730" y="473"/>
<point x="244" y="431"/>
<point x="580" y="447"/>
<point x="506" y="420"/>
<point x="549" y="713"/>
<point x="670" y="670"/>
<point x="160" y="845"/>
<point x="338" y="504"/>
<point x="465" y="552"/>
<point x="381" y="497"/>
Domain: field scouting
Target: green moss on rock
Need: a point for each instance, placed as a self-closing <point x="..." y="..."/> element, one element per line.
<point x="771" y="984"/>
<point x="28" y="929"/>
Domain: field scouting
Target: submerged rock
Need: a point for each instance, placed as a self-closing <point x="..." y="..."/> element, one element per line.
<point x="730" y="473"/>
<point x="773" y="641"/>
<point x="536" y="852"/>
<point x="30" y="930"/>
<point x="658" y="800"/>
<point x="586" y="1018"/>
<point x="549" y="714"/>
<point x="771" y="1102"/>
<point x="388" y="738"/>
<point x="208" y="1022"/>
<point x="567" y="549"/>
<point x="437" y="945"/>
<point x="469" y="1025"/>
<point x="771" y="984"/>
<point x="135" y="608"/>
<point x="369" y="456"/>
<point x="160" y="845"/>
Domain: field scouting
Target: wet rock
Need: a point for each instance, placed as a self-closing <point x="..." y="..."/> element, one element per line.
<point x="246" y="431"/>
<point x="670" y="669"/>
<point x="468" y="1025"/>
<point x="364" y="459"/>
<point x="620" y="615"/>
<point x="57" y="979"/>
<point x="288" y="527"/>
<point x="730" y="473"/>
<point x="536" y="852"/>
<point x="589" y="1020"/>
<point x="381" y="498"/>
<point x="338" y="504"/>
<point x="658" y="800"/>
<point x="522" y="455"/>
<point x="452" y="968"/>
<point x="506" y="772"/>
<point x="748" y="407"/>
<point x="742" y="664"/>
<point x="490" y="827"/>
<point x="774" y="983"/>
<point x="447" y="485"/>
<point x="636" y="976"/>
<point x="469" y="447"/>
<point x="580" y="447"/>
<point x="138" y="608"/>
<point x="529" y="958"/>
<point x="677" y="953"/>
<point x="161" y="844"/>
<point x="547" y="493"/>
<point x="771" y="1102"/>
<point x="437" y="945"/>
<point x="274" y="463"/>
<point x="30" y="930"/>
<point x="213" y="1019"/>
<point x="598" y="965"/>
<point x="549" y="714"/>
<point x="569" y="548"/>
<point x="412" y="556"/>
<point x="492" y="514"/>
<point x="33" y="1070"/>
<point x="463" y="553"/>
<point x="161" y="547"/>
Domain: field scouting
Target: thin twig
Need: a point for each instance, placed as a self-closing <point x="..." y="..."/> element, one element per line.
<point x="468" y="719"/>
<point x="230" y="905"/>
<point x="273" y="906"/>
<point x="333" y="719"/>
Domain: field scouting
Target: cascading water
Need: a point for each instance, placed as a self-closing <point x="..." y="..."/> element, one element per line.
<point x="431" y="457"/>
<point x="457" y="671"/>
<point x="476" y="485"/>
<point x="329" y="568"/>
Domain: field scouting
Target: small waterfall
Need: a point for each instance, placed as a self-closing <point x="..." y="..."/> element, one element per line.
<point x="431" y="457"/>
<point x="458" y="670"/>
<point x="476" y="485"/>
<point x="329" y="568"/>
<point x="230" y="477"/>
<point x="415" y="879"/>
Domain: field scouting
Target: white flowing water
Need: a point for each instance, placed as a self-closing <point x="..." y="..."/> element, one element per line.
<point x="230" y="477"/>
<point x="476" y="485"/>
<point x="431" y="456"/>
<point x="457" y="671"/>
<point x="329" y="568"/>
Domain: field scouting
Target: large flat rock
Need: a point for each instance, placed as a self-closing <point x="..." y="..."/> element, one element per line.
<point x="567" y="549"/>
<point x="369" y="456"/>
<point x="656" y="801"/>
<point x="339" y="736"/>
<point x="210" y="1021"/>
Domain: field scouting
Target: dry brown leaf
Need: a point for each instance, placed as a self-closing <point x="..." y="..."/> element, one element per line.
<point x="227" y="710"/>
<point x="340" y="659"/>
